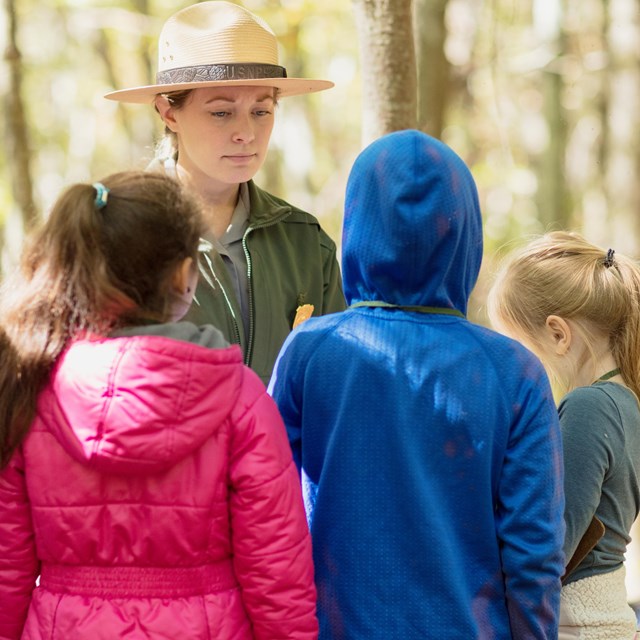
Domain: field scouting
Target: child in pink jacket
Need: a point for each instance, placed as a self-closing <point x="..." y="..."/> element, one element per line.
<point x="146" y="478"/>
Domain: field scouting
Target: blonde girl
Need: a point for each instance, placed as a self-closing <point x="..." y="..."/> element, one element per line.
<point x="577" y="307"/>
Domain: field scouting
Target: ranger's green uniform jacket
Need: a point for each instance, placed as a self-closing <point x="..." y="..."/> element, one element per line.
<point x="291" y="261"/>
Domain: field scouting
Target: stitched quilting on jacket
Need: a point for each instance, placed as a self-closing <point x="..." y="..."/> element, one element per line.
<point x="156" y="497"/>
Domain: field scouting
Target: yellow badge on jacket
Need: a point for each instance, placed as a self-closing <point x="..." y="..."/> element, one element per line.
<point x="303" y="312"/>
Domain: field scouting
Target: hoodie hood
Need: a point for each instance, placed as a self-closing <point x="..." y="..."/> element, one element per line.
<point x="412" y="232"/>
<point x="139" y="404"/>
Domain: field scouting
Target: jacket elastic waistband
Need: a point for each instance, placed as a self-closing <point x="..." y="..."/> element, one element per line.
<point x="138" y="582"/>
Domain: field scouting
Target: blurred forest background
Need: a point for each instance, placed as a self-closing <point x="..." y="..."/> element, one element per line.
<point x="540" y="97"/>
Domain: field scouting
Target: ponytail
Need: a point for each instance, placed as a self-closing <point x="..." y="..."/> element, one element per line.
<point x="41" y="305"/>
<point x="625" y="339"/>
<point x="91" y="267"/>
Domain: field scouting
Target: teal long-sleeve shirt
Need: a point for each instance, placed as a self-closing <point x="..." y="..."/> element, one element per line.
<point x="601" y="441"/>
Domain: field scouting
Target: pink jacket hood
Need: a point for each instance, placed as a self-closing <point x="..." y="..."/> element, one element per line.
<point x="136" y="406"/>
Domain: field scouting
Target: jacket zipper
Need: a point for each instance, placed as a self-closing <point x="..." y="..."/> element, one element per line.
<point x="229" y="305"/>
<point x="249" y="352"/>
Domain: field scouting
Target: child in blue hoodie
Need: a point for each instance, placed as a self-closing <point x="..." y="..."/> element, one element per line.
<point x="429" y="447"/>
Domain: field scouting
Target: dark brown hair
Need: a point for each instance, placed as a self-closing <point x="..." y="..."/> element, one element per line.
<point x="88" y="269"/>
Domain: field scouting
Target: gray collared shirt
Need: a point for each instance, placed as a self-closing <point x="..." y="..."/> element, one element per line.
<point x="230" y="248"/>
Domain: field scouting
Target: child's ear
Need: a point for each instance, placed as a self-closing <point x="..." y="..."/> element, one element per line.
<point x="559" y="331"/>
<point x="183" y="276"/>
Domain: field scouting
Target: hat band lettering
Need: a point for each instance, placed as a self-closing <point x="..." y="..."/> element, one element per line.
<point x="220" y="72"/>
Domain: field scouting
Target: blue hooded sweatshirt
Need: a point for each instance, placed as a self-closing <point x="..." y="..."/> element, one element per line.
<point x="429" y="446"/>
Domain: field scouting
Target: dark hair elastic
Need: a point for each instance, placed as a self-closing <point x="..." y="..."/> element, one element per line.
<point x="608" y="261"/>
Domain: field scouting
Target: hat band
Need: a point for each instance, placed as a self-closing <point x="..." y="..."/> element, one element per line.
<point x="220" y="72"/>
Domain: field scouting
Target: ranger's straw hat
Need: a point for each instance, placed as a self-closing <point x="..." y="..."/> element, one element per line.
<point x="217" y="43"/>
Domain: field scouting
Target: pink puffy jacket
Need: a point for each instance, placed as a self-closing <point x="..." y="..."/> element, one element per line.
<point x="156" y="497"/>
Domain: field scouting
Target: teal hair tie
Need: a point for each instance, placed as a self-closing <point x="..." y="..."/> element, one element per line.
<point x="102" y="193"/>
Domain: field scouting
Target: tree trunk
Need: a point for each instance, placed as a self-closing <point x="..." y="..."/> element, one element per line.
<point x="594" y="195"/>
<point x="17" y="138"/>
<point x="387" y="53"/>
<point x="432" y="67"/>
<point x="624" y="126"/>
<point x="553" y="197"/>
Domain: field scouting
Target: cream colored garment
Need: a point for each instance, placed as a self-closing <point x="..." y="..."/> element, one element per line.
<point x="596" y="608"/>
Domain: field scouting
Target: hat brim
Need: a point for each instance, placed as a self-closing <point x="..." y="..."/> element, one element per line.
<point x="285" y="86"/>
